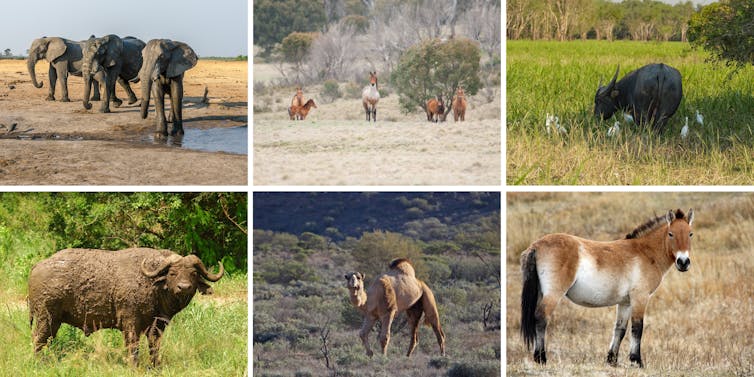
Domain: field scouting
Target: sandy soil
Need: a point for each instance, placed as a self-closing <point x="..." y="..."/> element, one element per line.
<point x="56" y="143"/>
<point x="336" y="146"/>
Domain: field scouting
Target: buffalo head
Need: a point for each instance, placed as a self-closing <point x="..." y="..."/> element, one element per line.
<point x="182" y="276"/>
<point x="605" y="104"/>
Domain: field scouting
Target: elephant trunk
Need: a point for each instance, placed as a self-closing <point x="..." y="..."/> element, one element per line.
<point x="146" y="91"/>
<point x="32" y="62"/>
<point x="86" y="72"/>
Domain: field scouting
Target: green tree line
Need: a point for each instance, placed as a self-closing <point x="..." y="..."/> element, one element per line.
<point x="642" y="20"/>
<point x="33" y="226"/>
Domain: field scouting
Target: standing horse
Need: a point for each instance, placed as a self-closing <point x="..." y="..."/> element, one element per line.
<point x="436" y="109"/>
<point x="296" y="102"/>
<point x="459" y="105"/>
<point x="370" y="96"/>
<point x="592" y="273"/>
<point x="300" y="112"/>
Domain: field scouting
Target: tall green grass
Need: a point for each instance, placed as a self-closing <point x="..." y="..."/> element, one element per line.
<point x="208" y="338"/>
<point x="561" y="78"/>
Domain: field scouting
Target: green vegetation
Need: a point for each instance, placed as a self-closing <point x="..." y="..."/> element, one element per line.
<point x="435" y="68"/>
<point x="724" y="29"/>
<point x="304" y="324"/>
<point x="598" y="19"/>
<point x="208" y="338"/>
<point x="275" y="19"/>
<point x="561" y="78"/>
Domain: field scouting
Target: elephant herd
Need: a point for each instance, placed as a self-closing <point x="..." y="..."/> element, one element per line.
<point x="159" y="65"/>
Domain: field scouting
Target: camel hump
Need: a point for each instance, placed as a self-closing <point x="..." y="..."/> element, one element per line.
<point x="389" y="296"/>
<point x="403" y="265"/>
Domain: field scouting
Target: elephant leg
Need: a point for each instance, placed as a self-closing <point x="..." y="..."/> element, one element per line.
<point x="176" y="106"/>
<point x="131" y="95"/>
<point x="104" y="83"/>
<point x="159" y="109"/>
<point x="63" y="78"/>
<point x="53" y="76"/>
<point x="95" y="89"/>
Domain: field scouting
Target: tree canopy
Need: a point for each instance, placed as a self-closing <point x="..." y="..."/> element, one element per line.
<point x="436" y="67"/>
<point x="726" y="30"/>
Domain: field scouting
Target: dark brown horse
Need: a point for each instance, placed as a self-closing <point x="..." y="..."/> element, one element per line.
<point x="300" y="112"/>
<point x="436" y="109"/>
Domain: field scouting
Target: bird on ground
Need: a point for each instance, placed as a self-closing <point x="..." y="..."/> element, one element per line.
<point x="685" y="129"/>
<point x="628" y="118"/>
<point x="699" y="118"/>
<point x="612" y="131"/>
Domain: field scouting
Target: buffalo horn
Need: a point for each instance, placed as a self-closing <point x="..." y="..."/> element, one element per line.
<point x="164" y="264"/>
<point x="203" y="270"/>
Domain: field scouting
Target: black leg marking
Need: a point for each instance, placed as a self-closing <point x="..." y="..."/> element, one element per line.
<point x="612" y="354"/>
<point x="637" y="328"/>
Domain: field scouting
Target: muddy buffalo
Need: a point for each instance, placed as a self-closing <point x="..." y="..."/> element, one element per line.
<point x="651" y="94"/>
<point x="137" y="291"/>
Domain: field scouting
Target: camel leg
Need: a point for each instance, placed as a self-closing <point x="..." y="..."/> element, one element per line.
<point x="366" y="328"/>
<point x="387" y="322"/>
<point x="414" y="314"/>
<point x="440" y="335"/>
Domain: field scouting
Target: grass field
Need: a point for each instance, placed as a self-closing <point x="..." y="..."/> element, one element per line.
<point x="698" y="323"/>
<point x="208" y="338"/>
<point x="561" y="78"/>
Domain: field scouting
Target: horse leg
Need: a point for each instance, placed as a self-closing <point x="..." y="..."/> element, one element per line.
<point x="387" y="322"/>
<point x="542" y="315"/>
<point x="374" y="112"/>
<point x="366" y="328"/>
<point x="638" y="306"/>
<point x="623" y="311"/>
<point x="366" y="110"/>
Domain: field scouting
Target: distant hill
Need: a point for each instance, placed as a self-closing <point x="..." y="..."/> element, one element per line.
<point x="353" y="213"/>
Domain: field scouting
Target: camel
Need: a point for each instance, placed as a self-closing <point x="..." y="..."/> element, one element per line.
<point x="395" y="291"/>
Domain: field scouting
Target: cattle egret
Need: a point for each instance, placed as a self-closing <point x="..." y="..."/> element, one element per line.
<point x="699" y="118"/>
<point x="628" y="118"/>
<point x="549" y="122"/>
<point x="612" y="131"/>
<point x="685" y="129"/>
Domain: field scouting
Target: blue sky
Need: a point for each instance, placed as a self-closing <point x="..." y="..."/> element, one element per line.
<point x="210" y="27"/>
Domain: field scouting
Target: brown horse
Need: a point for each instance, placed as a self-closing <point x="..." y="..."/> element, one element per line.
<point x="459" y="105"/>
<point x="436" y="109"/>
<point x="300" y="112"/>
<point x="393" y="292"/>
<point x="370" y="96"/>
<point x="590" y="273"/>
<point x="296" y="102"/>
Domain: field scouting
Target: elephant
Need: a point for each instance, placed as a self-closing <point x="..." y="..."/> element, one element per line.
<point x="109" y="59"/>
<point x="65" y="57"/>
<point x="165" y="61"/>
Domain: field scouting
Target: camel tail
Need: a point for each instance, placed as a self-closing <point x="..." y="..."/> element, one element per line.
<point x="390" y="300"/>
<point x="529" y="296"/>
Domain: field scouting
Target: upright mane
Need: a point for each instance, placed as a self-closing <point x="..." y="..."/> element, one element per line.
<point x="652" y="224"/>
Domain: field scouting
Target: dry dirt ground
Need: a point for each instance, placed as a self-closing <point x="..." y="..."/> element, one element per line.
<point x="336" y="146"/>
<point x="56" y="143"/>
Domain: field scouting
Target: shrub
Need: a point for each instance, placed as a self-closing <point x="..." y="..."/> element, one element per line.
<point x="376" y="249"/>
<point x="330" y="91"/>
<point x="352" y="90"/>
<point x="474" y="370"/>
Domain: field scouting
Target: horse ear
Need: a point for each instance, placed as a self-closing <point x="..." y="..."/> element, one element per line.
<point x="670" y="217"/>
<point x="691" y="215"/>
<point x="360" y="275"/>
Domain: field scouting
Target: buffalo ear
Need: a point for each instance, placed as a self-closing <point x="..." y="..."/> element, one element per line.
<point x="204" y="288"/>
<point x="182" y="58"/>
<point x="614" y="93"/>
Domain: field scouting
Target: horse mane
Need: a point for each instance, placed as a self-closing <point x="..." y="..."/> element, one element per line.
<point x="652" y="224"/>
<point x="309" y="103"/>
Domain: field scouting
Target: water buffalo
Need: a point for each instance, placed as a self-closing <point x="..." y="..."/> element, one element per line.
<point x="651" y="94"/>
<point x="137" y="291"/>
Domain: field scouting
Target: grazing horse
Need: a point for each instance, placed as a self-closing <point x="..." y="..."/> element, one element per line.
<point x="459" y="105"/>
<point x="370" y="96"/>
<point x="300" y="112"/>
<point x="436" y="109"/>
<point x="590" y="273"/>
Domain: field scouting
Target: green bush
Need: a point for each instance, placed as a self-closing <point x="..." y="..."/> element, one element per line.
<point x="330" y="91"/>
<point x="374" y="251"/>
<point x="352" y="90"/>
<point x="474" y="370"/>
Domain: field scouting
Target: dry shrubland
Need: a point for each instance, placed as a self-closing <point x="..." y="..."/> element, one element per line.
<point x="697" y="323"/>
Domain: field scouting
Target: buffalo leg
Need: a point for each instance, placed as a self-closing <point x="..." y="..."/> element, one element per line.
<point x="131" y="339"/>
<point x="154" y="336"/>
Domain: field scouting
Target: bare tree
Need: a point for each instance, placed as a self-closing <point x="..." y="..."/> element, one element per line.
<point x="482" y="24"/>
<point x="334" y="54"/>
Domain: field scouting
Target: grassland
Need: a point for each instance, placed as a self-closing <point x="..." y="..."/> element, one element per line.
<point x="561" y="78"/>
<point x="697" y="323"/>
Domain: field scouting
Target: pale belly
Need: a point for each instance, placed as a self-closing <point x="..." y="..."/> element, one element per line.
<point x="595" y="288"/>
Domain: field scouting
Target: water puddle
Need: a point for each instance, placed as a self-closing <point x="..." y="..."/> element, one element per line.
<point x="225" y="139"/>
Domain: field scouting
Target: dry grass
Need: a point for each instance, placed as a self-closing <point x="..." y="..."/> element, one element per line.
<point x="697" y="323"/>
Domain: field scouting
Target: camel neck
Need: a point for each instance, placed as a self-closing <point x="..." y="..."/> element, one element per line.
<point x="358" y="299"/>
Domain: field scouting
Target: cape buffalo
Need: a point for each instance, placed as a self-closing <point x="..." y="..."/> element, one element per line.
<point x="651" y="94"/>
<point x="137" y="291"/>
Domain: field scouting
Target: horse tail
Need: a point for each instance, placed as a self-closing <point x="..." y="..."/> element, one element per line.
<point x="529" y="296"/>
<point x="389" y="296"/>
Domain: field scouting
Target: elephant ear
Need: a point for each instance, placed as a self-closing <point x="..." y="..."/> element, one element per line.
<point x="182" y="58"/>
<point x="114" y="50"/>
<point x="55" y="48"/>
